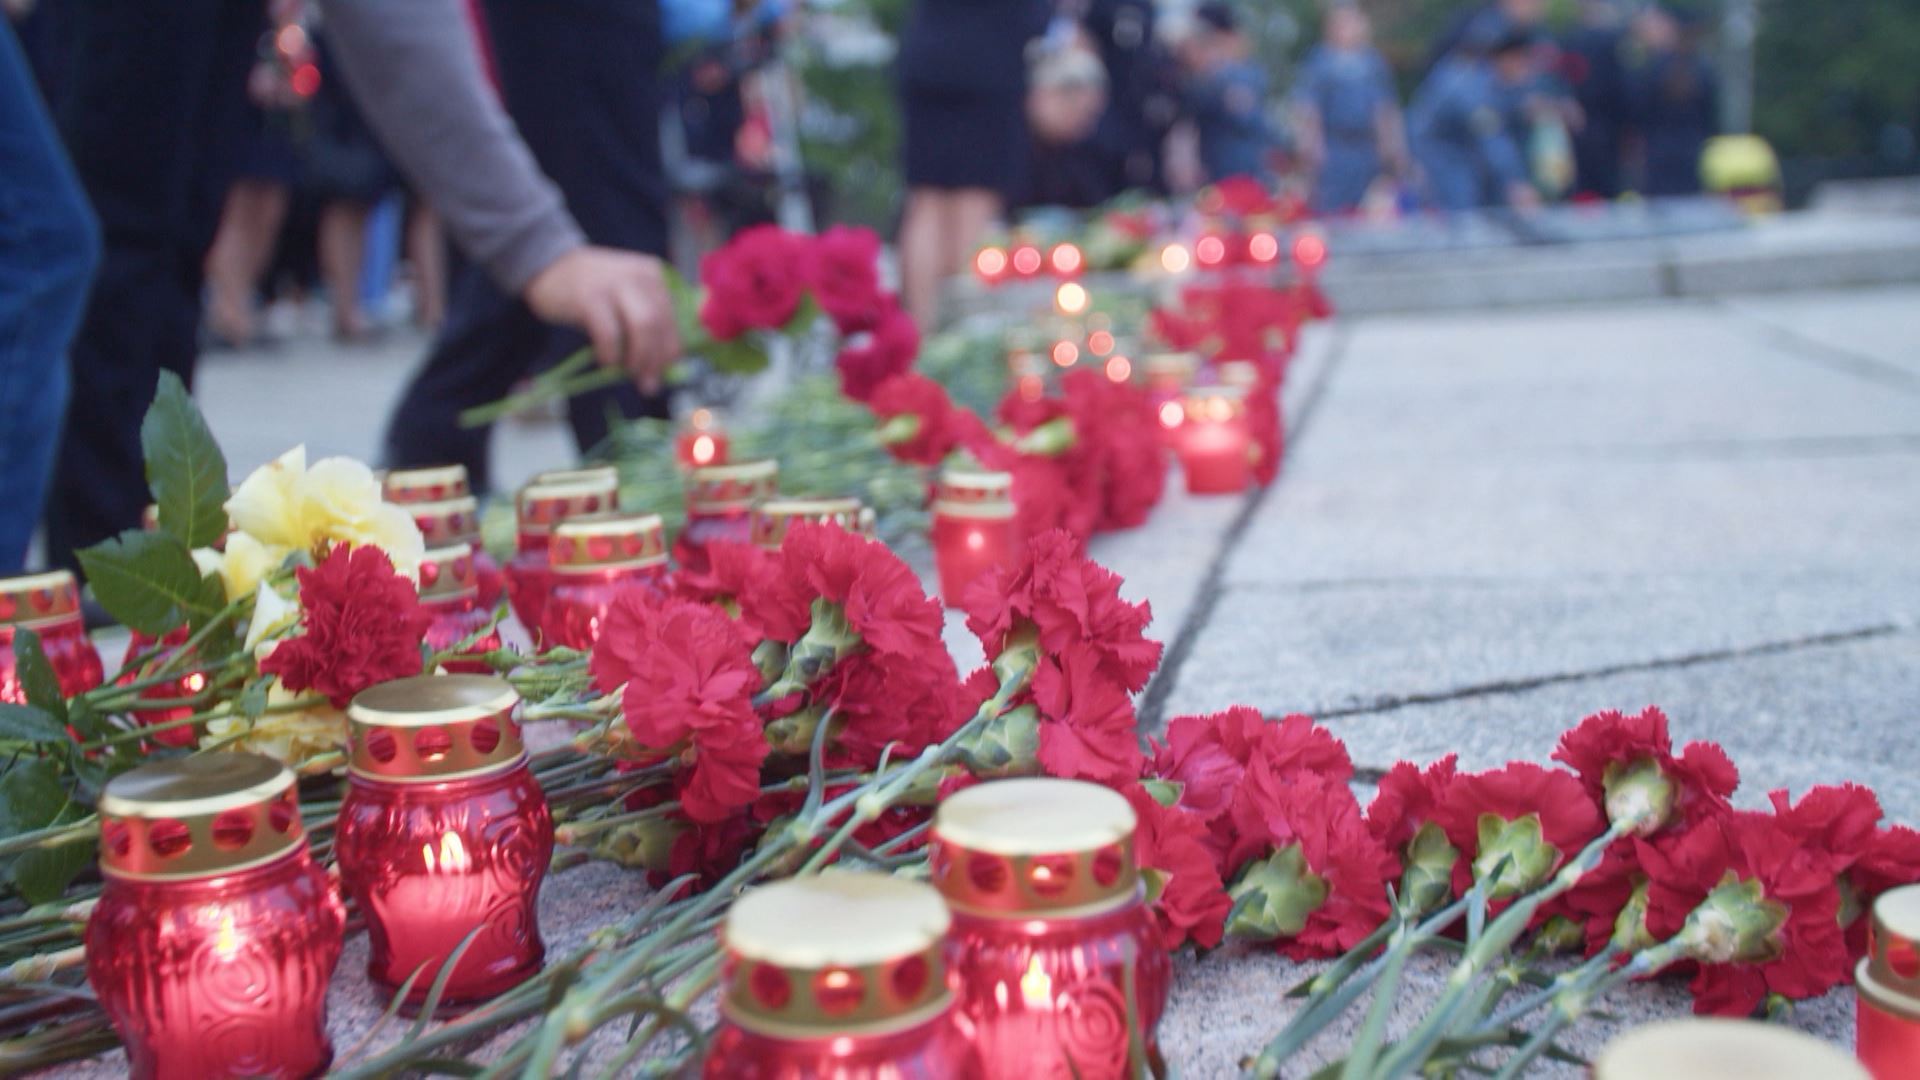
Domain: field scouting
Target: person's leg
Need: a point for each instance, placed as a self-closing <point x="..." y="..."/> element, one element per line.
<point x="49" y="246"/>
<point x="973" y="211"/>
<point x="343" y="251"/>
<point x="923" y="254"/>
<point x="241" y="249"/>
<point x="427" y="254"/>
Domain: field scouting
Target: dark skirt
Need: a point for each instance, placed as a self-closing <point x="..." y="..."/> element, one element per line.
<point x="964" y="140"/>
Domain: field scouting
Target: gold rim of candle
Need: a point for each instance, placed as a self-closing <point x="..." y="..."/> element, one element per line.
<point x="994" y="843"/>
<point x="1703" y="1049"/>
<point x="190" y="796"/>
<point x="650" y="528"/>
<point x="398" y="484"/>
<point x="394" y="716"/>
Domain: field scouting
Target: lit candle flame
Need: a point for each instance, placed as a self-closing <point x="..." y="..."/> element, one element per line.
<point x="975" y="541"/>
<point x="1036" y="986"/>
<point x="453" y="855"/>
<point x="703" y="450"/>
<point x="226" y="939"/>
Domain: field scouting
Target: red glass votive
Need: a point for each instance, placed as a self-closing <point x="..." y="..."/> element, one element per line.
<point x="444" y="829"/>
<point x="1214" y="445"/>
<point x="1050" y="927"/>
<point x="593" y="559"/>
<point x="450" y="589"/>
<point x="216" y="934"/>
<point x="453" y="523"/>
<point x="973" y="530"/>
<point x="1887" y="982"/>
<point x="771" y="518"/>
<point x="548" y="500"/>
<point x="187" y="685"/>
<point x="49" y="605"/>
<point x="720" y="502"/>
<point x="840" y="975"/>
<point x="701" y="441"/>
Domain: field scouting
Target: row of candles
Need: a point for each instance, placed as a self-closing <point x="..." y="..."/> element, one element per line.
<point x="1029" y="951"/>
<point x="1217" y="246"/>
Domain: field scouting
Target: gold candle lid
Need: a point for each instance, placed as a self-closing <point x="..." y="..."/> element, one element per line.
<point x="197" y="817"/>
<point x="552" y="497"/>
<point x="448" y="573"/>
<point x="1015" y="848"/>
<point x="429" y="728"/>
<point x="1241" y="373"/>
<point x="1700" y="1049"/>
<point x="39" y="599"/>
<point x="973" y="494"/>
<point x="773" y="517"/>
<point x="1889" y="975"/>
<point x="429" y="484"/>
<point x="608" y="542"/>
<point x="733" y="486"/>
<point x="1171" y="365"/>
<point x="838" y="953"/>
<point x="446" y="522"/>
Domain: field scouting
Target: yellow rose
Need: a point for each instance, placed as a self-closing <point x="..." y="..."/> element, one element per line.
<point x="246" y="561"/>
<point x="291" y="737"/>
<point x="286" y="506"/>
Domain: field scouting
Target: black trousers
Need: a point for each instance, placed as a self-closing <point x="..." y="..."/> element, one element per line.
<point x="581" y="80"/>
<point x="149" y="98"/>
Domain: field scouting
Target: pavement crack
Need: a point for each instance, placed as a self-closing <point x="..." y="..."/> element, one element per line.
<point x="1153" y="703"/>
<point x="1504" y="687"/>
<point x="1821" y="354"/>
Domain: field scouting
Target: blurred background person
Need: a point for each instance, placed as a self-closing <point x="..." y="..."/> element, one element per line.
<point x="49" y="247"/>
<point x="1226" y="95"/>
<point x="1458" y="127"/>
<point x="1067" y="98"/>
<point x="1486" y="22"/>
<point x="1672" y="101"/>
<point x="1346" y="114"/>
<point x="1590" y="62"/>
<point x="1143" y="93"/>
<point x="963" y="86"/>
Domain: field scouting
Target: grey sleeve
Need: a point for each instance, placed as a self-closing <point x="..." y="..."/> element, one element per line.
<point x="414" y="68"/>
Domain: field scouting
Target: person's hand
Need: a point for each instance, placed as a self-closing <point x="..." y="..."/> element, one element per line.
<point x="620" y="299"/>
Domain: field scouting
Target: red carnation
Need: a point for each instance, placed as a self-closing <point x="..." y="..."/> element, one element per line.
<point x="1242" y="195"/>
<point x="708" y="851"/>
<point x="1180" y="332"/>
<point x="889" y="350"/>
<point x="843" y="266"/>
<point x="1803" y="957"/>
<point x="938" y="425"/>
<point x="1209" y="755"/>
<point x="1407" y="798"/>
<point x="1267" y="427"/>
<point x="1569" y="819"/>
<point x="881" y="596"/>
<point x="1843" y="821"/>
<point x="1274" y="810"/>
<point x="881" y="700"/>
<point x="751" y="584"/>
<point x="689" y="679"/>
<point x="753" y="283"/>
<point x="363" y="626"/>
<point x="1184" y="887"/>
<point x="1890" y="861"/>
<point x="1702" y="776"/>
<point x="1070" y="600"/>
<point x="1087" y="726"/>
<point x="1081" y="465"/>
<point x="1118" y="423"/>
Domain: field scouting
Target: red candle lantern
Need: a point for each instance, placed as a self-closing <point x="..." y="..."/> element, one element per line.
<point x="1718" y="1049"/>
<point x="216" y="934"/>
<point x="1887" y="981"/>
<point x="1027" y="370"/>
<point x="843" y="976"/>
<point x="1215" y="445"/>
<point x="702" y="441"/>
<point x="428" y="484"/>
<point x="1053" y="944"/>
<point x="773" y="517"/>
<point x="49" y="605"/>
<point x="156" y="653"/>
<point x="444" y="829"/>
<point x="450" y="589"/>
<point x="720" y="502"/>
<point x="974" y="529"/>
<point x="592" y="560"/>
<point x="551" y="498"/>
<point x="455" y="522"/>
<point x="1168" y="375"/>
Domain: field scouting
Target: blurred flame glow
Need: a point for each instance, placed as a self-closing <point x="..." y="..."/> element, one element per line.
<point x="453" y="855"/>
<point x="990" y="263"/>
<point x="1036" y="986"/>
<point x="1066" y="259"/>
<point x="1065" y="354"/>
<point x="1263" y="248"/>
<point x="1309" y="250"/>
<point x="1026" y="260"/>
<point x="1071" y="297"/>
<point x="703" y="450"/>
<point x="1211" y="251"/>
<point x="1100" y="343"/>
<point x="1119" y="369"/>
<point x="1171" y="414"/>
<point x="1175" y="260"/>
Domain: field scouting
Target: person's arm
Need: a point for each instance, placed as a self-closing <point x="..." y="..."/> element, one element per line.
<point x="414" y="68"/>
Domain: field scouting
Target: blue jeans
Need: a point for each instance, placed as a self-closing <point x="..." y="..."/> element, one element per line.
<point x="49" y="247"/>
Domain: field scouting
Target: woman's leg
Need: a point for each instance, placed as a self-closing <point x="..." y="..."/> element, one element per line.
<point x="243" y="245"/>
<point x="343" y="246"/>
<point x="923" y="254"/>
<point x="427" y="252"/>
<point x="972" y="212"/>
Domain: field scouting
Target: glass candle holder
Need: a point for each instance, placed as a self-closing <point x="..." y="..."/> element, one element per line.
<point x="973" y="529"/>
<point x="1887" y="982"/>
<point x="1214" y="444"/>
<point x="1059" y="967"/>
<point x="842" y="975"/>
<point x="49" y="605"/>
<point x="450" y="589"/>
<point x="701" y="441"/>
<point x="427" y="484"/>
<point x="771" y="518"/>
<point x="444" y="829"/>
<point x="720" y="502"/>
<point x="1702" y="1049"/>
<point x="455" y="522"/>
<point x="1167" y="377"/>
<point x="216" y="934"/>
<point x="593" y="559"/>
<point x="544" y="503"/>
<point x="138" y="645"/>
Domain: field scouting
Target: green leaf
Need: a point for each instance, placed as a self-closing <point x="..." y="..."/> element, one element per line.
<point x="185" y="468"/>
<point x="149" y="581"/>
<point x="85" y="720"/>
<point x="28" y="724"/>
<point x="32" y="797"/>
<point x="253" y="700"/>
<point x="37" y="678"/>
<point x="737" y="357"/>
<point x="686" y="305"/>
<point x="43" y="874"/>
